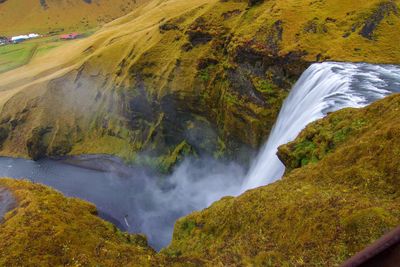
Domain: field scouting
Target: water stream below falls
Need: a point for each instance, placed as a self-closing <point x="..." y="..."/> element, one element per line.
<point x="142" y="202"/>
<point x="132" y="198"/>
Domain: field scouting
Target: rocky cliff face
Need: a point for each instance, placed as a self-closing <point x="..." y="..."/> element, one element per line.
<point x="204" y="77"/>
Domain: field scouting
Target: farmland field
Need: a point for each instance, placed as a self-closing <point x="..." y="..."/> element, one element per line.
<point x="16" y="55"/>
<point x="13" y="56"/>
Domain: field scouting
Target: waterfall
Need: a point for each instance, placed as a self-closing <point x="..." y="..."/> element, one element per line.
<point x="323" y="88"/>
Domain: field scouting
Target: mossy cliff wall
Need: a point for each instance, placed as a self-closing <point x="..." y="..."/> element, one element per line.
<point x="195" y="77"/>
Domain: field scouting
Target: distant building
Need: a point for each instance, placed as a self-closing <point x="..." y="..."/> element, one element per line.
<point x="70" y="36"/>
<point x="21" y="38"/>
<point x="4" y="40"/>
<point x="33" y="35"/>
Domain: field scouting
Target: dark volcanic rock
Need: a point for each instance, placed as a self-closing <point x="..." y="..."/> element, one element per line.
<point x="373" y="21"/>
<point x="43" y="4"/>
<point x="37" y="145"/>
<point x="4" y="132"/>
<point x="255" y="2"/>
<point x="230" y="14"/>
<point x="197" y="37"/>
<point x="314" y="26"/>
<point x="168" y="27"/>
<point x="205" y="62"/>
<point x="274" y="37"/>
<point x="285" y="69"/>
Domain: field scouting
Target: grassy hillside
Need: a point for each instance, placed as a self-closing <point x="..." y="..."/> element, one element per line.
<point x="16" y="55"/>
<point x="49" y="16"/>
<point x="50" y="19"/>
<point x="47" y="229"/>
<point x="317" y="215"/>
<point x="176" y="77"/>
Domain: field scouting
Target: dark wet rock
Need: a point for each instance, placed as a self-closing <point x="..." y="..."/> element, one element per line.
<point x="4" y="132"/>
<point x="60" y="147"/>
<point x="329" y="19"/>
<point x="206" y="62"/>
<point x="241" y="83"/>
<point x="178" y="113"/>
<point x="230" y="14"/>
<point x="37" y="145"/>
<point x="43" y="3"/>
<point x="274" y="37"/>
<point x="7" y="202"/>
<point x="373" y="21"/>
<point x="311" y="26"/>
<point x="199" y="32"/>
<point x="254" y="2"/>
<point x="187" y="47"/>
<point x="259" y="59"/>
<point x="140" y="109"/>
<point x="314" y="26"/>
<point x="168" y="27"/>
<point x="197" y="37"/>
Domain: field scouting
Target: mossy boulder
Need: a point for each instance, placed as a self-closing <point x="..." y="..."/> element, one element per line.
<point x="323" y="136"/>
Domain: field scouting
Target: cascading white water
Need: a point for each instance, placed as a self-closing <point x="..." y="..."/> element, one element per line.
<point x="323" y="87"/>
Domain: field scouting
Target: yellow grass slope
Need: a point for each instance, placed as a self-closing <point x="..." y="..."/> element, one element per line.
<point x="23" y="16"/>
<point x="48" y="229"/>
<point x="138" y="30"/>
<point x="99" y="55"/>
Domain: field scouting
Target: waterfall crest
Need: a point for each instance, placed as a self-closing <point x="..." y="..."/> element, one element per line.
<point x="323" y="88"/>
